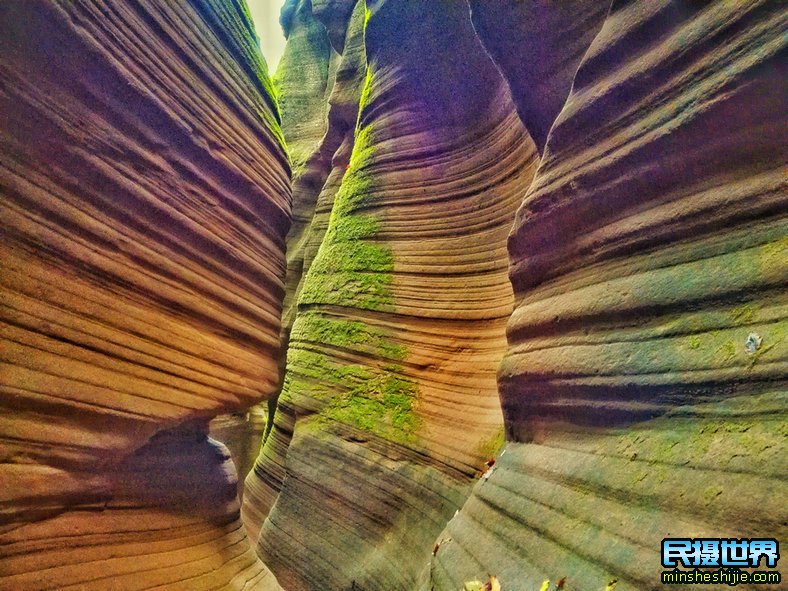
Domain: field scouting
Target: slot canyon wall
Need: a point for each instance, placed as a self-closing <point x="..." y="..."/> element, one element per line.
<point x="390" y="405"/>
<point x="145" y="199"/>
<point x="549" y="233"/>
<point x="643" y="384"/>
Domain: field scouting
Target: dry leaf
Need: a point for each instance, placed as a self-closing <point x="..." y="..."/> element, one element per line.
<point x="493" y="584"/>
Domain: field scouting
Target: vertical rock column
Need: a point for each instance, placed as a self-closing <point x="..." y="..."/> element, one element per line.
<point x="305" y="79"/>
<point x="390" y="395"/>
<point x="334" y="114"/>
<point x="145" y="200"/>
<point x="644" y="386"/>
<point x="327" y="165"/>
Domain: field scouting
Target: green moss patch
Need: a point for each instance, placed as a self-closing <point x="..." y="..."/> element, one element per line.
<point x="491" y="447"/>
<point x="352" y="267"/>
<point x="372" y="398"/>
<point x="353" y="270"/>
<point x="382" y="405"/>
<point x="318" y="328"/>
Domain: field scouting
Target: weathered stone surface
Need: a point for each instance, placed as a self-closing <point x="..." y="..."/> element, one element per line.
<point x="304" y="81"/>
<point x="145" y="203"/>
<point x="242" y="433"/>
<point x="327" y="165"/>
<point x="537" y="44"/>
<point x="314" y="128"/>
<point x="145" y="200"/>
<point x="335" y="14"/>
<point x="389" y="405"/>
<point x="651" y="244"/>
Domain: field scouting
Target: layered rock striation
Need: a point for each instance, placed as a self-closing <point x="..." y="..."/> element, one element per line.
<point x="315" y="186"/>
<point x="583" y="201"/>
<point x="538" y="45"/>
<point x="389" y="405"/>
<point x="644" y="386"/>
<point x="145" y="201"/>
<point x="646" y="353"/>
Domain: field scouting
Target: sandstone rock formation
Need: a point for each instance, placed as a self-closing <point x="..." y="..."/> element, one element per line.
<point x="649" y="248"/>
<point x="314" y="186"/>
<point x="145" y="200"/>
<point x="306" y="77"/>
<point x="632" y="408"/>
<point x="537" y="45"/>
<point x="389" y="406"/>
<point x="585" y="201"/>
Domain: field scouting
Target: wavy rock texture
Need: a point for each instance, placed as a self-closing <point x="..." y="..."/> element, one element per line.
<point x="390" y="396"/>
<point x="145" y="208"/>
<point x="649" y="248"/>
<point x="305" y="78"/>
<point x="327" y="165"/>
<point x="145" y="200"/>
<point x="303" y="81"/>
<point x="538" y="45"/>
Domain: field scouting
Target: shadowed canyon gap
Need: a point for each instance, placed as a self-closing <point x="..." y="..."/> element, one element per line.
<point x="550" y="233"/>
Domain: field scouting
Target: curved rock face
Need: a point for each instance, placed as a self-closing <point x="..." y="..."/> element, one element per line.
<point x="145" y="199"/>
<point x="389" y="405"/>
<point x="309" y="77"/>
<point x="145" y="207"/>
<point x="303" y="84"/>
<point x="315" y="187"/>
<point x="335" y="15"/>
<point x="303" y="81"/>
<point x="644" y="386"/>
<point x="537" y="45"/>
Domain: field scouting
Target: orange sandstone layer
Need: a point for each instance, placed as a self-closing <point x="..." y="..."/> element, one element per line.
<point x="145" y="200"/>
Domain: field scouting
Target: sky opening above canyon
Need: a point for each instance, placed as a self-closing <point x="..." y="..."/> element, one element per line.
<point x="265" y="14"/>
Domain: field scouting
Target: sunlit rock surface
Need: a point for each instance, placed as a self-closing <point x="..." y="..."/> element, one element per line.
<point x="585" y="200"/>
<point x="651" y="245"/>
<point x="390" y="387"/>
<point x="302" y="87"/>
<point x="145" y="200"/>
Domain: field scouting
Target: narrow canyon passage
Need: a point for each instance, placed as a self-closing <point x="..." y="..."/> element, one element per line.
<point x="465" y="295"/>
